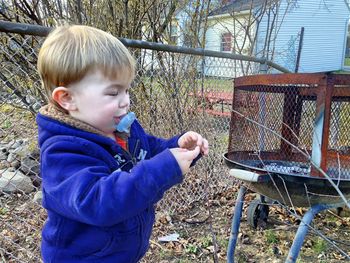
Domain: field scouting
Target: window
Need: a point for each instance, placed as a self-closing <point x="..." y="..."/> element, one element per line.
<point x="226" y="42"/>
<point x="173" y="33"/>
<point x="347" y="48"/>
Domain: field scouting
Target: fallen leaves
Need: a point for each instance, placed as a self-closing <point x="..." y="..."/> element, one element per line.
<point x="272" y="244"/>
<point x="195" y="242"/>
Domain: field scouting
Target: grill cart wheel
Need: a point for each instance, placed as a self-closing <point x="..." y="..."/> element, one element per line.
<point x="257" y="213"/>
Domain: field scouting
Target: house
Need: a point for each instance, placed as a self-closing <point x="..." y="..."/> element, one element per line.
<point x="174" y="34"/>
<point x="275" y="33"/>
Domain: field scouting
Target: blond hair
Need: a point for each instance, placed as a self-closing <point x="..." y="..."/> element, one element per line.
<point x="70" y="52"/>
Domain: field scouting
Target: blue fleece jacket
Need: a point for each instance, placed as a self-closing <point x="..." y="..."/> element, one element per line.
<point x="100" y="198"/>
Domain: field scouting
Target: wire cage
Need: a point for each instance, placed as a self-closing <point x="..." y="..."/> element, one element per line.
<point x="293" y="132"/>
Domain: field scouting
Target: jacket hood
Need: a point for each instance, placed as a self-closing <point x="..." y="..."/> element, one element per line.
<point x="53" y="122"/>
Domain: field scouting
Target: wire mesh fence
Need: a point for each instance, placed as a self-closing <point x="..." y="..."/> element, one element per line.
<point x="172" y="93"/>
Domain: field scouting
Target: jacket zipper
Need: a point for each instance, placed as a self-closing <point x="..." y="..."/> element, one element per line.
<point x="132" y="156"/>
<point x="129" y="155"/>
<point x="135" y="149"/>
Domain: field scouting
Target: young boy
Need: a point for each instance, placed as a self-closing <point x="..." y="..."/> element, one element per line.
<point x="99" y="185"/>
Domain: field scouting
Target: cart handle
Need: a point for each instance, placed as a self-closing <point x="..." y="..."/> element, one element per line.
<point x="245" y="175"/>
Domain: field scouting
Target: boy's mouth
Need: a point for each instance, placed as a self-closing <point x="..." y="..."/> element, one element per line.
<point x="118" y="119"/>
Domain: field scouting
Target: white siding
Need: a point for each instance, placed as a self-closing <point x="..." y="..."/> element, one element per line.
<point x="325" y="25"/>
<point x="218" y="26"/>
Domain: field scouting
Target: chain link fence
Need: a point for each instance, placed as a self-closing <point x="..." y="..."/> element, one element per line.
<point x="172" y="93"/>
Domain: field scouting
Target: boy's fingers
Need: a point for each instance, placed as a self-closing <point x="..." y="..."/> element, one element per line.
<point x="199" y="140"/>
<point x="194" y="137"/>
<point x="205" y="147"/>
<point x="205" y="151"/>
<point x="191" y="154"/>
<point x="206" y="144"/>
<point x="195" y="152"/>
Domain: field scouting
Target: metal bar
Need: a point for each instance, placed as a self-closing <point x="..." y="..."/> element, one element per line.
<point x="302" y="231"/>
<point x="275" y="79"/>
<point x="236" y="220"/>
<point x="37" y="30"/>
<point x="24" y="29"/>
<point x="341" y="92"/>
<point x="327" y="120"/>
<point x="316" y="154"/>
<point x="299" y="49"/>
<point x="341" y="79"/>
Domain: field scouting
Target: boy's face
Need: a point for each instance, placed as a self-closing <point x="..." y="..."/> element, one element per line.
<point x="101" y="102"/>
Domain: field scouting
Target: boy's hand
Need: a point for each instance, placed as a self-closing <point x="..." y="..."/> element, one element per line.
<point x="185" y="157"/>
<point x="192" y="139"/>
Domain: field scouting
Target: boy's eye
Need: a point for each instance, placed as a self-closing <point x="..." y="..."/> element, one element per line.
<point x="113" y="94"/>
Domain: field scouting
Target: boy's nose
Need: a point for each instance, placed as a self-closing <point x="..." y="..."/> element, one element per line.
<point x="125" y="102"/>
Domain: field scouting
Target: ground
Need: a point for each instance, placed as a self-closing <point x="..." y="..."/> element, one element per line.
<point x="210" y="220"/>
<point x="203" y="228"/>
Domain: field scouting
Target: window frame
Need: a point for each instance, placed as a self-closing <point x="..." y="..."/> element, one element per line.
<point x="174" y="32"/>
<point x="226" y="42"/>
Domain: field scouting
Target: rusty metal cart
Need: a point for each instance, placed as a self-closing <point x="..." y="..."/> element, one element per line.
<point x="289" y="141"/>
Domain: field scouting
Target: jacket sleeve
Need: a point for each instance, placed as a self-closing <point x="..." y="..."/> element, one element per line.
<point x="81" y="186"/>
<point x="158" y="144"/>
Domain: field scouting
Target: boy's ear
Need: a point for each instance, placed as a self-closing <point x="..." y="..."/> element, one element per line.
<point x="64" y="98"/>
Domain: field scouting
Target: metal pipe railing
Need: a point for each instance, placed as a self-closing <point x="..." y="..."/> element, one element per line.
<point x="42" y="31"/>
